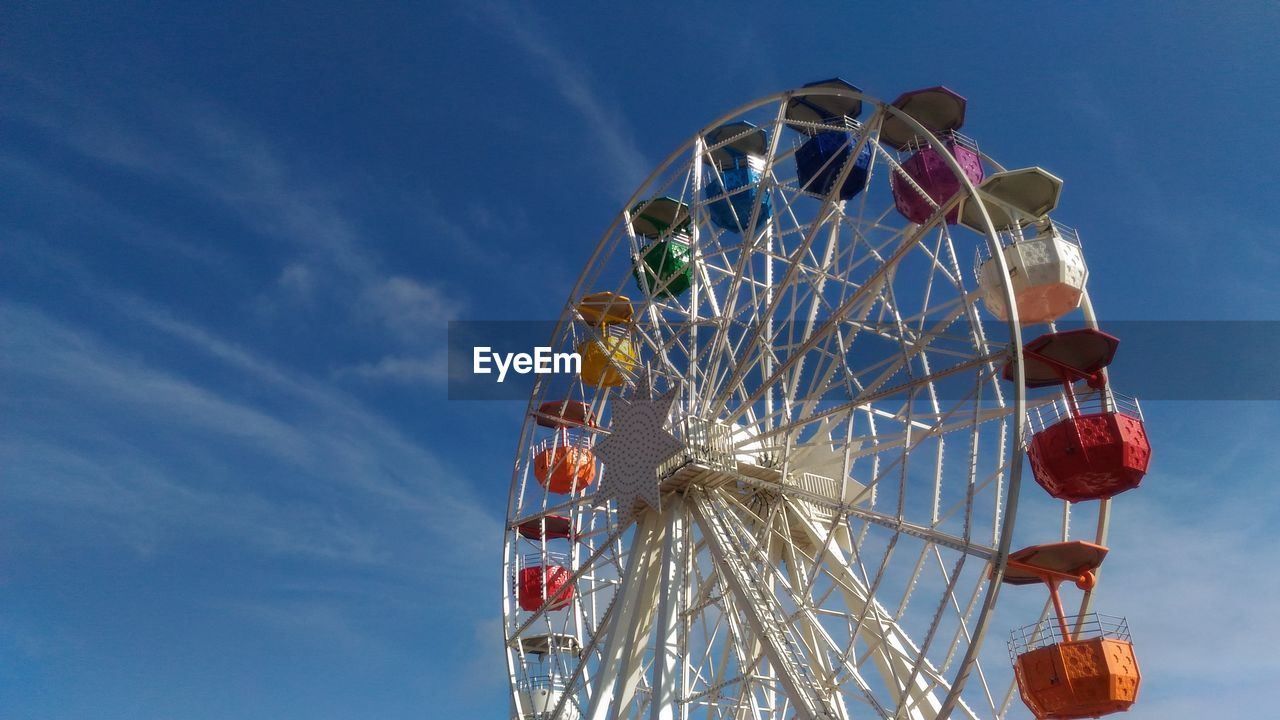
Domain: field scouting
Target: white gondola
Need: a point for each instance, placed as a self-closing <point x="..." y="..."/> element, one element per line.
<point x="1046" y="266"/>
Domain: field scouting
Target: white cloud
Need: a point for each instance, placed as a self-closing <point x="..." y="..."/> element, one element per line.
<point x="621" y="160"/>
<point x="1193" y="563"/>
<point x="1211" y="566"/>
<point x="81" y="454"/>
<point x="480" y="674"/>
<point x="298" y="282"/>
<point x="401" y="370"/>
<point x="415" y="312"/>
<point x="195" y="145"/>
<point x="171" y="443"/>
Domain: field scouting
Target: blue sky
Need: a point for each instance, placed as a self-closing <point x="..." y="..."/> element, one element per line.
<point x="232" y="484"/>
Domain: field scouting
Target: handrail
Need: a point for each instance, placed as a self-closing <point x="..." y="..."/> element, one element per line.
<point x="550" y="681"/>
<point x="1089" y="402"/>
<point x="917" y="143"/>
<point x="1089" y="626"/>
<point x="538" y="559"/>
<point x="564" y="440"/>
<point x="835" y="124"/>
<point x="1045" y="228"/>
<point x="706" y="442"/>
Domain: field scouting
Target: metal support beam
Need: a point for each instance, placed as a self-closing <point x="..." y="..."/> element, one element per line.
<point x="632" y="609"/>
<point x="767" y="620"/>
<point x="668" y="655"/>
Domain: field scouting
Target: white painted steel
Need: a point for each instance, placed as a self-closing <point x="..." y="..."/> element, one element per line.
<point x="850" y="470"/>
<point x="1047" y="271"/>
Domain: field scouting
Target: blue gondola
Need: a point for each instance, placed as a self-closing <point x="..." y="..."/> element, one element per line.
<point x="830" y="121"/>
<point x="822" y="157"/>
<point x="734" y="185"/>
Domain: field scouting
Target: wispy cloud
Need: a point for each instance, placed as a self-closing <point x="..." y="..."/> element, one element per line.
<point x="314" y="435"/>
<point x="194" y="145"/>
<point x="151" y="458"/>
<point x="412" y="310"/>
<point x="131" y="442"/>
<point x="1192" y="557"/>
<point x="1191" y="588"/>
<point x="401" y="370"/>
<point x="623" y="162"/>
<point x="1126" y="148"/>
<point x="297" y="281"/>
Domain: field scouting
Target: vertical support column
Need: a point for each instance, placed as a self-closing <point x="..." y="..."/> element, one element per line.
<point x="671" y="603"/>
<point x="632" y="608"/>
<point x="810" y="629"/>
<point x="766" y="619"/>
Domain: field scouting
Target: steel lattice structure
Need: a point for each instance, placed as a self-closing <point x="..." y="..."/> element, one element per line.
<point x="847" y="479"/>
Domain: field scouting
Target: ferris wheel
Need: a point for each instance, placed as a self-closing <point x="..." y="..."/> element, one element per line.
<point x="784" y="483"/>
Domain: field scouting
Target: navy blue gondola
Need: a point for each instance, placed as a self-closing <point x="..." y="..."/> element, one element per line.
<point x="831" y="124"/>
<point x="734" y="185"/>
<point x="822" y="157"/>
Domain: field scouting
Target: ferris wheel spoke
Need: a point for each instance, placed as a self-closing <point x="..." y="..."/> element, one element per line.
<point x="888" y="442"/>
<point x="800" y="581"/>
<point x="831" y="361"/>
<point x="827" y="327"/>
<point x="909" y="440"/>
<point x="962" y="632"/>
<point x="892" y="650"/>
<point x="936" y="266"/>
<point x="916" y="340"/>
<point x="821" y="646"/>
<point x="830" y="210"/>
<point x="930" y="421"/>
<point x="739" y="656"/>
<point x="819" y="642"/>
<point x="868" y="396"/>
<point x="825" y="380"/>
<point x="740" y="274"/>
<point x="849" y="665"/>
<point x="931" y="633"/>
<point x="897" y="524"/>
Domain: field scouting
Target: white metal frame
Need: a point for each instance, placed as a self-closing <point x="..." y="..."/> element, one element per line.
<point x="833" y="339"/>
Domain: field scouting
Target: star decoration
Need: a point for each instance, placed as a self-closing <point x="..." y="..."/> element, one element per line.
<point x="637" y="444"/>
